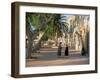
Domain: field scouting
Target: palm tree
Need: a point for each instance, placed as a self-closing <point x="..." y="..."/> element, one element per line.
<point x="33" y="29"/>
<point x="38" y="22"/>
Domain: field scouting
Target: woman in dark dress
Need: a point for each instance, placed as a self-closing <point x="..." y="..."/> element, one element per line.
<point x="66" y="51"/>
<point x="59" y="49"/>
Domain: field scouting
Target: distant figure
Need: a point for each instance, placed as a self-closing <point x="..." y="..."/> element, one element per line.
<point x="59" y="49"/>
<point x="83" y="51"/>
<point x="66" y="51"/>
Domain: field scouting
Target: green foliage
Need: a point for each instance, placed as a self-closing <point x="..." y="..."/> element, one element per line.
<point x="49" y="23"/>
<point x="34" y="19"/>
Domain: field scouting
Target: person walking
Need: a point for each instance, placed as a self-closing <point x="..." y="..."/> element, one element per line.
<point x="59" y="49"/>
<point x="66" y="50"/>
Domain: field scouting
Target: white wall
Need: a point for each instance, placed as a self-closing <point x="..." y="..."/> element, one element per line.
<point x="5" y="40"/>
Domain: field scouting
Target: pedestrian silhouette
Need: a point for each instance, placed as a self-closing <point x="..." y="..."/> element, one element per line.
<point x="66" y="50"/>
<point x="83" y="52"/>
<point x="59" y="49"/>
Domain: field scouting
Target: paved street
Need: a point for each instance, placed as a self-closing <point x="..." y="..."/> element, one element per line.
<point x="48" y="57"/>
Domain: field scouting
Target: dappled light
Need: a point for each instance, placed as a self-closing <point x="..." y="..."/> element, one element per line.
<point x="49" y="36"/>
